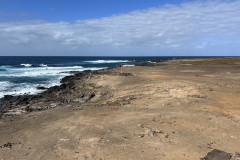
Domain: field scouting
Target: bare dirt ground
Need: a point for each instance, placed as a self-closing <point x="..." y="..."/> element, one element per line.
<point x="176" y="110"/>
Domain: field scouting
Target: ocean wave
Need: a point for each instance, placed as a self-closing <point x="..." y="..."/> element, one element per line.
<point x="25" y="88"/>
<point x="43" y="71"/>
<point x="5" y="67"/>
<point x="26" y="65"/>
<point x="128" y="65"/>
<point x="4" y="85"/>
<point x="39" y="71"/>
<point x="34" y="74"/>
<point x="49" y="78"/>
<point x="43" y="65"/>
<point x="67" y="67"/>
<point x="94" y="68"/>
<point x="107" y="61"/>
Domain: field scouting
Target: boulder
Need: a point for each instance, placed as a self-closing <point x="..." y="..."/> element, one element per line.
<point x="217" y="155"/>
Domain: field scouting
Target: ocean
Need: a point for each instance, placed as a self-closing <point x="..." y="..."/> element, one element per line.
<point x="22" y="75"/>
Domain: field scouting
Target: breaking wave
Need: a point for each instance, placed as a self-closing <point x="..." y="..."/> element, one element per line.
<point x="25" y="80"/>
<point x="108" y="61"/>
<point x="26" y="65"/>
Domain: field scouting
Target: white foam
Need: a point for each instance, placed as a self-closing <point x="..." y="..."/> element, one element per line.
<point x="26" y="65"/>
<point x="40" y="71"/>
<point x="94" y="68"/>
<point x="107" y="61"/>
<point x="26" y="88"/>
<point x="4" y="85"/>
<point x="62" y="68"/>
<point x="151" y="62"/>
<point x="128" y="65"/>
<point x="8" y="88"/>
<point x="21" y="89"/>
<point x="43" y="65"/>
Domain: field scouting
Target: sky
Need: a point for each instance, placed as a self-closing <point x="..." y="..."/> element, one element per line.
<point x="120" y="28"/>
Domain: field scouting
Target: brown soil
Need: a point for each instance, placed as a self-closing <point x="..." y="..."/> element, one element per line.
<point x="174" y="110"/>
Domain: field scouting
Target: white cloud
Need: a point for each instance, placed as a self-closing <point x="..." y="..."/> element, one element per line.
<point x="192" y="25"/>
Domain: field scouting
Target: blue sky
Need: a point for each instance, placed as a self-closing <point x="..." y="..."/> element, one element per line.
<point x="120" y="27"/>
<point x="72" y="10"/>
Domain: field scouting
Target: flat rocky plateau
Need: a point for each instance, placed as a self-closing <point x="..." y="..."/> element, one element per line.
<point x="171" y="110"/>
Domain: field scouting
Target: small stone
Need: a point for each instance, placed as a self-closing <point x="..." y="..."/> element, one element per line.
<point x="149" y="132"/>
<point x="63" y="140"/>
<point x="141" y="135"/>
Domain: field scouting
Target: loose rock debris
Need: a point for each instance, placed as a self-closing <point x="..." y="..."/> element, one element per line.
<point x="7" y="145"/>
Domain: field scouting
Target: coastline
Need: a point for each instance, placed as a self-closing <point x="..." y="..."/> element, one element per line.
<point x="177" y="108"/>
<point x="14" y="105"/>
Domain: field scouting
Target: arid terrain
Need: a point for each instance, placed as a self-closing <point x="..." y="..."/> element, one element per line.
<point x="172" y="110"/>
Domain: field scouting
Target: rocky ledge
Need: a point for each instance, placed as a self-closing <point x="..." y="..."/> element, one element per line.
<point x="73" y="90"/>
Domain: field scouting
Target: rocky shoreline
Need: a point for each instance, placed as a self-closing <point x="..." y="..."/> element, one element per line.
<point x="55" y="96"/>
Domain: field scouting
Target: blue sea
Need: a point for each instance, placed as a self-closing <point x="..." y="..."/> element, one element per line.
<point x="21" y="75"/>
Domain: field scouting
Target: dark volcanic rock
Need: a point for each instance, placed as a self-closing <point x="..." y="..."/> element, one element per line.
<point x="22" y="100"/>
<point x="72" y="72"/>
<point x="70" y="85"/>
<point x="7" y="97"/>
<point x="53" y="89"/>
<point x="41" y="88"/>
<point x="67" y="79"/>
<point x="217" y="155"/>
<point x="28" y="109"/>
<point x="156" y="60"/>
<point x="92" y="95"/>
<point x="125" y="74"/>
<point x="1" y="109"/>
<point x="87" y="71"/>
<point x="62" y="86"/>
<point x="7" y="145"/>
